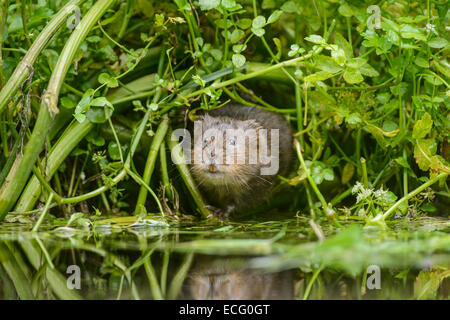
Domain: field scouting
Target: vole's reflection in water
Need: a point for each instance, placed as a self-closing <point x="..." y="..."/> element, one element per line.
<point x="228" y="279"/>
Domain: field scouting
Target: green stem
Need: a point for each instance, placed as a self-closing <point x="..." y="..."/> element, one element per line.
<point x="164" y="172"/>
<point x="22" y="167"/>
<point x="23" y="5"/>
<point x="179" y="277"/>
<point x="138" y="179"/>
<point x="319" y="195"/>
<point x="291" y="62"/>
<point x="311" y="282"/>
<point x="178" y="158"/>
<point x="164" y="268"/>
<point x="62" y="148"/>
<point x="364" y="172"/>
<point x="392" y="209"/>
<point x="151" y="160"/>
<point x="126" y="19"/>
<point x="24" y="67"/>
<point x="155" y="288"/>
<point x="44" y="211"/>
<point x="3" y="17"/>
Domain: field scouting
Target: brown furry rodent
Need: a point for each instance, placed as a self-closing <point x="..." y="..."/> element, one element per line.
<point x="233" y="170"/>
<point x="213" y="278"/>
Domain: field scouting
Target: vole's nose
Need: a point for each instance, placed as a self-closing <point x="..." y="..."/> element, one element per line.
<point x="212" y="168"/>
<point x="213" y="154"/>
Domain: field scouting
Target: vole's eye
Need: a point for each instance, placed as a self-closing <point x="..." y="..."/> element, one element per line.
<point x="205" y="140"/>
<point x="232" y="142"/>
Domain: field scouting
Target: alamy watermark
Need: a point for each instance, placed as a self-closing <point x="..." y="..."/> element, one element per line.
<point x="373" y="277"/>
<point x="74" y="280"/>
<point x="214" y="147"/>
<point x="75" y="18"/>
<point x="374" y="21"/>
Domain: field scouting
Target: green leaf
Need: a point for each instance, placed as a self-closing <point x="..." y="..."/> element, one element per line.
<point x="356" y="63"/>
<point x="208" y="4"/>
<point x="238" y="48"/>
<point x="228" y="4"/>
<point x="153" y="106"/>
<point x="278" y="45"/>
<point x="245" y="23"/>
<point x="68" y="103"/>
<point x="236" y="35"/>
<point x="338" y="55"/>
<point x="408" y="31"/>
<point x="424" y="149"/>
<point x="345" y="10"/>
<point x="259" y="32"/>
<point x="399" y="89"/>
<point x="379" y="134"/>
<point x="80" y="117"/>
<point x="353" y="77"/>
<point x="107" y="80"/>
<point x="437" y="163"/>
<point x="289" y="6"/>
<point x="274" y="16"/>
<point x="259" y="22"/>
<point x="238" y="60"/>
<point x="268" y="4"/>
<point x="369" y="71"/>
<point x="318" y="76"/>
<point x="403" y="162"/>
<point x="113" y="151"/>
<point x="100" y="102"/>
<point x="98" y="114"/>
<point x="344" y="45"/>
<point x="422" y="127"/>
<point x="354" y="118"/>
<point x="347" y="173"/>
<point x="315" y="38"/>
<point x="320" y="172"/>
<point x="389" y="126"/>
<point x="389" y="25"/>
<point x="83" y="105"/>
<point x="371" y="39"/>
<point x="94" y="138"/>
<point x="437" y="43"/>
<point x="216" y="54"/>
<point x="430" y="78"/>
<point x="327" y="64"/>
<point x="421" y="62"/>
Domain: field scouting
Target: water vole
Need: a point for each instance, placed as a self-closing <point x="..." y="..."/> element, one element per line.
<point x="237" y="154"/>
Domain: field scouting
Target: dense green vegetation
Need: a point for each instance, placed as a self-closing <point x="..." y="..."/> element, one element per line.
<point x="91" y="91"/>
<point x="365" y="86"/>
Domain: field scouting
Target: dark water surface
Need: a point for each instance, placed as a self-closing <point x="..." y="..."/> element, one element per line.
<point x="151" y="258"/>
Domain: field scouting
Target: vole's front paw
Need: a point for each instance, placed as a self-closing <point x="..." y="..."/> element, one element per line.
<point x="219" y="213"/>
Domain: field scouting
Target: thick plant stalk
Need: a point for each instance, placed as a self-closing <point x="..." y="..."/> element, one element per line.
<point x="18" y="277"/>
<point x="75" y="133"/>
<point x="24" y="67"/>
<point x="178" y="156"/>
<point x="22" y="167"/>
<point x="72" y="135"/>
<point x="151" y="160"/>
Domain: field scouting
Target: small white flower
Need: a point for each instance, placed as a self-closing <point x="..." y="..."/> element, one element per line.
<point x="380" y="193"/>
<point x="430" y="28"/>
<point x="358" y="186"/>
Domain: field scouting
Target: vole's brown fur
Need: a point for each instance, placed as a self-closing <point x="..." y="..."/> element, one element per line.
<point x="235" y="188"/>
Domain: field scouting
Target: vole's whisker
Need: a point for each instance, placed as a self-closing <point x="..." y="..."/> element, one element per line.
<point x="259" y="177"/>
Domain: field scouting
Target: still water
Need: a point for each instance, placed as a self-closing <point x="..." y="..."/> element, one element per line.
<point x="288" y="258"/>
